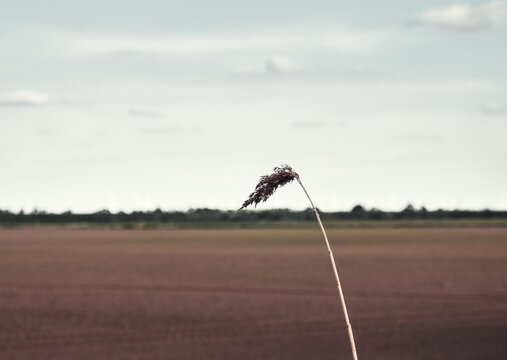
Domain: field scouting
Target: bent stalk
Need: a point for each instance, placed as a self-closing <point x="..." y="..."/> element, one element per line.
<point x="264" y="189"/>
<point x="338" y="284"/>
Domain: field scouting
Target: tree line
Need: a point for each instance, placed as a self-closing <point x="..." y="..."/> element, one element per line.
<point x="205" y="215"/>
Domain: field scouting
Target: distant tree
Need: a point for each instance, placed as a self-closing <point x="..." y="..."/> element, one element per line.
<point x="358" y="209"/>
<point x="409" y="209"/>
<point x="407" y="213"/>
<point x="38" y="212"/>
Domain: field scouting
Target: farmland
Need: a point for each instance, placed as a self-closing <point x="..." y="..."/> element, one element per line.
<point x="412" y="293"/>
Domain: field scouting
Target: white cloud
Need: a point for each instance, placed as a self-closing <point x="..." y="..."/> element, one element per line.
<point x="274" y="65"/>
<point x="137" y="112"/>
<point x="309" y="124"/>
<point x="82" y="44"/>
<point x="113" y="204"/>
<point x="419" y="138"/>
<point x="494" y="108"/>
<point x="144" y="203"/>
<point x="463" y="16"/>
<point x="280" y="65"/>
<point x="24" y="98"/>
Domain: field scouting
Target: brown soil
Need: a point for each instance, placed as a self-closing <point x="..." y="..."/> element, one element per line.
<point x="252" y="294"/>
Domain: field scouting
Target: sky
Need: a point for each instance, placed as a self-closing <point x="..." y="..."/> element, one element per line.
<point x="137" y="105"/>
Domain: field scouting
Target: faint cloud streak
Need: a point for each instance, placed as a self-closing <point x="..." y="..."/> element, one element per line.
<point x="24" y="98"/>
<point x="419" y="138"/>
<point x="145" y="113"/>
<point x="462" y="16"/>
<point x="89" y="45"/>
<point x="494" y="108"/>
<point x="274" y="65"/>
<point x="308" y="125"/>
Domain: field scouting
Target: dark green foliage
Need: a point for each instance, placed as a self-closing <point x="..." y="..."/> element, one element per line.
<point x="219" y="216"/>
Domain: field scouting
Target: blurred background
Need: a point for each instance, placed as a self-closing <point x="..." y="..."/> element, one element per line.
<point x="126" y="105"/>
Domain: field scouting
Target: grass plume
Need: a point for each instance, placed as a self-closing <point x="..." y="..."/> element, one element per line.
<point x="269" y="183"/>
<point x="266" y="187"/>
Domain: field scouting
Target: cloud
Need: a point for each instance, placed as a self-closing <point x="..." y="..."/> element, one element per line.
<point x="308" y="125"/>
<point x="463" y="16"/>
<point x="494" y="108"/>
<point x="160" y="130"/>
<point x="274" y="65"/>
<point x="145" y="113"/>
<point x="78" y="44"/>
<point x="281" y="65"/>
<point x="45" y="132"/>
<point x="419" y="138"/>
<point x="24" y="98"/>
<point x="144" y="203"/>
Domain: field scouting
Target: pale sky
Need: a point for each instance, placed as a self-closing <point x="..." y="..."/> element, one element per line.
<point x="136" y="105"/>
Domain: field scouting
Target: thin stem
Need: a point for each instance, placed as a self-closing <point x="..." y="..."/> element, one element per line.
<point x="342" y="298"/>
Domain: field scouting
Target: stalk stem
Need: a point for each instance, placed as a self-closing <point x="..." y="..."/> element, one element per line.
<point x="342" y="298"/>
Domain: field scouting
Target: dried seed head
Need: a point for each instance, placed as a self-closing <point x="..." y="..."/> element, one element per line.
<point x="269" y="183"/>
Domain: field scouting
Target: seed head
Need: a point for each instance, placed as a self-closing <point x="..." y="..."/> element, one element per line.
<point x="269" y="183"/>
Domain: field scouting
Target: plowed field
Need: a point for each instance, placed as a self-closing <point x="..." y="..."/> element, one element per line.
<point x="252" y="294"/>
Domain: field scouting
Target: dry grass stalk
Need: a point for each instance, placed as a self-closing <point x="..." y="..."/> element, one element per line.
<point x="264" y="189"/>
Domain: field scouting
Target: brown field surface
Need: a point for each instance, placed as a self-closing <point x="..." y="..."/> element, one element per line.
<point x="252" y="294"/>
